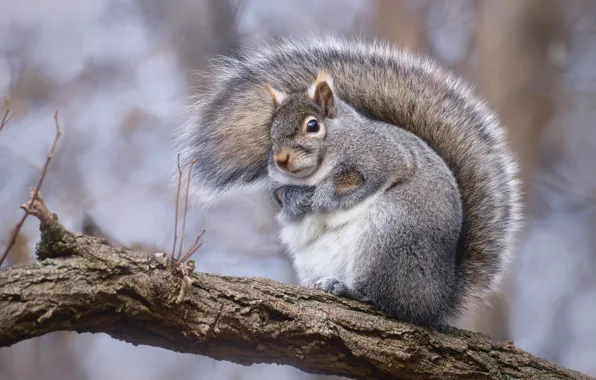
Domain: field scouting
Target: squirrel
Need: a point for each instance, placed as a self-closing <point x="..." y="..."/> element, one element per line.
<point x="228" y="133"/>
<point x="368" y="210"/>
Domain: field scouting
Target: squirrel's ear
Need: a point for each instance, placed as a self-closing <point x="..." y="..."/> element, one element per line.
<point x="276" y="95"/>
<point x="322" y="93"/>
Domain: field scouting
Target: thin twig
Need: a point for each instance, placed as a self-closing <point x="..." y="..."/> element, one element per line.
<point x="197" y="244"/>
<point x="35" y="191"/>
<point x="176" y="214"/>
<point x="185" y="208"/>
<point x="5" y="117"/>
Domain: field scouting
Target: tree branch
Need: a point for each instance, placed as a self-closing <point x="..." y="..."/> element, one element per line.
<point x="81" y="283"/>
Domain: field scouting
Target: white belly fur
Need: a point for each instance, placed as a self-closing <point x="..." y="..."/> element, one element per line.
<point x="326" y="245"/>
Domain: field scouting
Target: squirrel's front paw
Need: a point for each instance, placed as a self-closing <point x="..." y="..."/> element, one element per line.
<point x="295" y="201"/>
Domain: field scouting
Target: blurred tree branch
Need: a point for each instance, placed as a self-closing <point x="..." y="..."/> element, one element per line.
<point x="81" y="283"/>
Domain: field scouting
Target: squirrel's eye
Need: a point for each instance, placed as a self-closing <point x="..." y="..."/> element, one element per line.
<point x="312" y="126"/>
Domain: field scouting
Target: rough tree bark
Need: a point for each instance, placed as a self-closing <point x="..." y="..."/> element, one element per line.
<point x="83" y="284"/>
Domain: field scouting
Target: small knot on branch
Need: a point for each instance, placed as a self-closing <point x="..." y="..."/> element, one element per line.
<point x="56" y="241"/>
<point x="186" y="270"/>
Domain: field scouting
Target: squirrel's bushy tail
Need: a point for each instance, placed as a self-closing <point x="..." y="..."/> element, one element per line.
<point x="228" y="132"/>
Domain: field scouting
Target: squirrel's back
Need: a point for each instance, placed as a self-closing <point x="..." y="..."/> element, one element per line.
<point x="228" y="133"/>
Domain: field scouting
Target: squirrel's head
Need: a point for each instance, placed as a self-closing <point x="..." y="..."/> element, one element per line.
<point x="299" y="127"/>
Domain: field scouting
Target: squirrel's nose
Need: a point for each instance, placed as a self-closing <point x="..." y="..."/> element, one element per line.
<point x="282" y="159"/>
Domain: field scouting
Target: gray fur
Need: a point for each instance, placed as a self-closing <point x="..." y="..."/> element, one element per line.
<point x="228" y="134"/>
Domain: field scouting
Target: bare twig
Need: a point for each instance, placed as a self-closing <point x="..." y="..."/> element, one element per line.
<point x="34" y="191"/>
<point x="176" y="213"/>
<point x="36" y="206"/>
<point x="185" y="208"/>
<point x="196" y="245"/>
<point x="5" y="117"/>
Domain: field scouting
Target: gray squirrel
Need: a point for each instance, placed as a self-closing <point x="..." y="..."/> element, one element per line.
<point x="360" y="199"/>
<point x="459" y="239"/>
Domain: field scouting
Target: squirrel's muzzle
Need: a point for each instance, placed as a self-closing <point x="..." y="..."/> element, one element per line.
<point x="284" y="159"/>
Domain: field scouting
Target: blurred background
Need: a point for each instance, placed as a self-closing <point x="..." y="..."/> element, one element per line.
<point x="121" y="71"/>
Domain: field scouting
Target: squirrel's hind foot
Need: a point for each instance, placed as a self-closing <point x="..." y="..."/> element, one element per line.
<point x="339" y="288"/>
